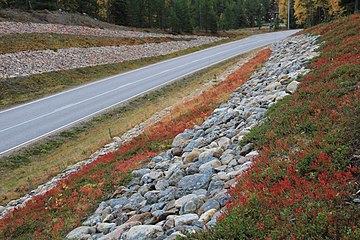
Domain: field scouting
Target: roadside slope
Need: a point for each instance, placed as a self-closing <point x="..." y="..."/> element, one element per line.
<point x="304" y="184"/>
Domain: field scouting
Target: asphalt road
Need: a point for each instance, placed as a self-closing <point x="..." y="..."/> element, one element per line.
<point x="29" y="122"/>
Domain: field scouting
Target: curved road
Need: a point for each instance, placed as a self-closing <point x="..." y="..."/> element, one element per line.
<point x="26" y="123"/>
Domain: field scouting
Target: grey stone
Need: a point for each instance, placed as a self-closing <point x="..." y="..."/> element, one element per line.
<point x="191" y="206"/>
<point x="225" y="159"/>
<point x="151" y="197"/>
<point x="222" y="198"/>
<point x="109" y="218"/>
<point x="121" y="219"/>
<point x="116" y="234"/>
<point x="246" y="149"/>
<point x="200" y="192"/>
<point x="221" y="176"/>
<point x="209" y="204"/>
<point x="161" y="184"/>
<point x="140" y="217"/>
<point x="146" y="208"/>
<point x="273" y="86"/>
<point x="117" y="201"/>
<point x="105" y="227"/>
<point x="170" y="205"/>
<point x="212" y="164"/>
<point x="169" y="223"/>
<point x="136" y="201"/>
<point x="176" y="177"/>
<point x="167" y="194"/>
<point x="181" y="201"/>
<point x="192" y="156"/>
<point x="93" y="220"/>
<point x="143" y="232"/>
<point x="206" y="216"/>
<point x="78" y="233"/>
<point x="198" y="143"/>
<point x="215" y="185"/>
<point x="158" y="206"/>
<point x="144" y="189"/>
<point x="175" y="235"/>
<point x="194" y="168"/>
<point x="199" y="224"/>
<point x="232" y="163"/>
<point x="186" y="219"/>
<point x="211" y="136"/>
<point x="223" y="142"/>
<point x="163" y="166"/>
<point x="140" y="172"/>
<point x="175" y="166"/>
<point x="157" y="159"/>
<point x="194" y="182"/>
<point x="292" y="87"/>
<point x="211" y="223"/>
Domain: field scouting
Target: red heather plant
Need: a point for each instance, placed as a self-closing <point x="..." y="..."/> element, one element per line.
<point x="54" y="214"/>
<point x="301" y="186"/>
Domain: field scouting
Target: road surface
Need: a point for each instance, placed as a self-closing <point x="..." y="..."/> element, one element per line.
<point x="31" y="121"/>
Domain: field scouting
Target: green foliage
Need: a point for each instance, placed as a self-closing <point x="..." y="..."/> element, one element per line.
<point x="184" y="15"/>
<point x="175" y="15"/>
<point x="89" y="7"/>
<point x="118" y="12"/>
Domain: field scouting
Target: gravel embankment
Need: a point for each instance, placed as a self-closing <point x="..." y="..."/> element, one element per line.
<point x="35" y="62"/>
<point x="42" y="61"/>
<point x="7" y="28"/>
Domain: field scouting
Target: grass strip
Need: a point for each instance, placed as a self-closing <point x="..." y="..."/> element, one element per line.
<point x="302" y="185"/>
<point x="41" y="41"/>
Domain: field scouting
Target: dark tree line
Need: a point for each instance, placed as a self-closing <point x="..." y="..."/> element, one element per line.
<point x="179" y="15"/>
<point x="174" y="15"/>
<point x="189" y="15"/>
<point x="90" y="7"/>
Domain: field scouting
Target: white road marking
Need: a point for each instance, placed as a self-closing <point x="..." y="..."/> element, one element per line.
<point x="121" y="74"/>
<point x="113" y="90"/>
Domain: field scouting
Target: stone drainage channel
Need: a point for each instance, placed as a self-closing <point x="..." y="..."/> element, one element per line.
<point x="185" y="188"/>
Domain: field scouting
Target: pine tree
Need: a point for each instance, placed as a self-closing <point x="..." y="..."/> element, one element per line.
<point x="118" y="12"/>
<point x="229" y="16"/>
<point x="68" y="5"/>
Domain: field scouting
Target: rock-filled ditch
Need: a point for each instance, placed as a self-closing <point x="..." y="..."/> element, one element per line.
<point x="185" y="188"/>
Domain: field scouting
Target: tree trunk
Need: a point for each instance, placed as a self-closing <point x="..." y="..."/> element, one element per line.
<point x="30" y="5"/>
